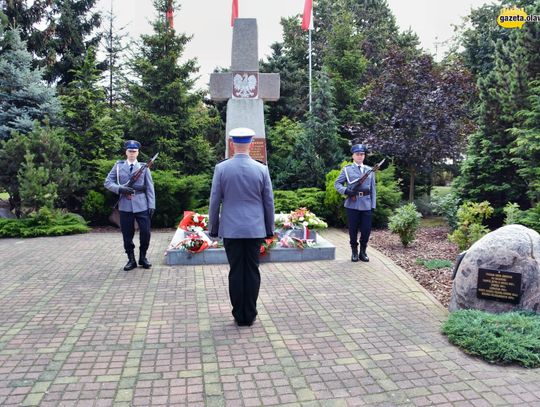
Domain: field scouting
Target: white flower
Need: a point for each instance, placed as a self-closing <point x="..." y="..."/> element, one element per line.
<point x="305" y="224"/>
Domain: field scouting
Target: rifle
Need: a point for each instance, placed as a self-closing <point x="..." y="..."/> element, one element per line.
<point x="355" y="185"/>
<point x="133" y="179"/>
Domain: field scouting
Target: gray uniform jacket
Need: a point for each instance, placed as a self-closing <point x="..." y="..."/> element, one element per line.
<point x="142" y="200"/>
<point x="350" y="174"/>
<point x="242" y="188"/>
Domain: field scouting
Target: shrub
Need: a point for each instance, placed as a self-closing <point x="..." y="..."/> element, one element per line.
<point x="95" y="207"/>
<point x="470" y="229"/>
<point x="434" y="264"/>
<point x="531" y="218"/>
<point x="176" y="194"/>
<point x="447" y="206"/>
<point x="285" y="201"/>
<point x="43" y="223"/>
<point x="405" y="222"/>
<point x="498" y="338"/>
<point x="511" y="213"/>
<point x="424" y="205"/>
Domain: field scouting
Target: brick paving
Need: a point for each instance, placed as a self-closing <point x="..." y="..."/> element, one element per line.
<point x="76" y="330"/>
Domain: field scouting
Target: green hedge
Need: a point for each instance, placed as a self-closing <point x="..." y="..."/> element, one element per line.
<point x="43" y="223"/>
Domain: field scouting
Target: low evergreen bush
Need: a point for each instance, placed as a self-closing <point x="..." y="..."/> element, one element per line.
<point x="434" y="264"/>
<point x="470" y="228"/>
<point x="405" y="222"/>
<point x="512" y="337"/>
<point x="43" y="223"/>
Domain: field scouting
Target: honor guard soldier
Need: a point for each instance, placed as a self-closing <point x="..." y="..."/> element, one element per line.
<point x="132" y="181"/>
<point x="242" y="213"/>
<point x="360" y="202"/>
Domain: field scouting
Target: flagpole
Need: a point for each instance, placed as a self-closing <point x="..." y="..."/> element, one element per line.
<point x="309" y="57"/>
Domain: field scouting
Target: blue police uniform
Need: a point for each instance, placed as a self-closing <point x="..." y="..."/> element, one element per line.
<point x="358" y="205"/>
<point x="242" y="213"/>
<point x="137" y="204"/>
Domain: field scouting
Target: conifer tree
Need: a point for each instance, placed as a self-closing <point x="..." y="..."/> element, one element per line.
<point x="72" y="24"/>
<point x="163" y="111"/>
<point x="24" y="97"/>
<point x="319" y="148"/>
<point x="89" y="123"/>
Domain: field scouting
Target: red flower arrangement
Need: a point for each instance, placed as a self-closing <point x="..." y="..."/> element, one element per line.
<point x="193" y="243"/>
<point x="267" y="244"/>
<point x="193" y="222"/>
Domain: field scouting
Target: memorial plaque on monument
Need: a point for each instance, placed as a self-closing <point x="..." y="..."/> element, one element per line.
<point x="498" y="285"/>
<point x="257" y="152"/>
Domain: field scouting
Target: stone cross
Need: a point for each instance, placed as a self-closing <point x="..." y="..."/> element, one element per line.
<point x="245" y="88"/>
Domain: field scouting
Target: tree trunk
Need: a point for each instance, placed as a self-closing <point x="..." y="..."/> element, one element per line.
<point x="412" y="173"/>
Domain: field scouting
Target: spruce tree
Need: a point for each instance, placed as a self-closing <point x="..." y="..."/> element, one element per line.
<point x="163" y="111"/>
<point x="72" y="24"/>
<point x="24" y="97"/>
<point x="318" y="149"/>
<point x="89" y="123"/>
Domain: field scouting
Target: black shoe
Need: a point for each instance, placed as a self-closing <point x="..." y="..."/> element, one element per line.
<point x="354" y="256"/>
<point x="246" y="323"/>
<point x="132" y="263"/>
<point x="143" y="261"/>
<point x="363" y="255"/>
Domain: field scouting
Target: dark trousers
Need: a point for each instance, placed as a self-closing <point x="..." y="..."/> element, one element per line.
<point x="127" y="225"/>
<point x="359" y="221"/>
<point x="244" y="277"/>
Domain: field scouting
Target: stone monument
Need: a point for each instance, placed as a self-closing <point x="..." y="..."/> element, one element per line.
<point x="244" y="88"/>
<point x="500" y="272"/>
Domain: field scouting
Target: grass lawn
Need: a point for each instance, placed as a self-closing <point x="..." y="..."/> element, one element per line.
<point x="440" y="191"/>
<point x="433" y="222"/>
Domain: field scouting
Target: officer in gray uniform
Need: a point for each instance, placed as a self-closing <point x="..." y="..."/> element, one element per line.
<point x="359" y="204"/>
<point x="242" y="213"/>
<point x="136" y="203"/>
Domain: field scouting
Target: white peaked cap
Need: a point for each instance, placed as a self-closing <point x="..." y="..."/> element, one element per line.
<point x="242" y="132"/>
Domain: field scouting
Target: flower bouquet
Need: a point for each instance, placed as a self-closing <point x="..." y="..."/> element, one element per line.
<point x="193" y="243"/>
<point x="267" y="244"/>
<point x="193" y="222"/>
<point x="295" y="243"/>
<point x="301" y="218"/>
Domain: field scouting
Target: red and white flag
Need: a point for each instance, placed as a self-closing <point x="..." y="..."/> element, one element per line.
<point x="234" y="14"/>
<point x="170" y="16"/>
<point x="307" y="18"/>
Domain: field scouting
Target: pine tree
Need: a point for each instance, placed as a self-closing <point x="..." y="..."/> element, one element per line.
<point x="72" y="24"/>
<point x="24" y="98"/>
<point x="114" y="45"/>
<point x="163" y="111"/>
<point x="318" y="148"/>
<point x="89" y="123"/>
<point x="488" y="172"/>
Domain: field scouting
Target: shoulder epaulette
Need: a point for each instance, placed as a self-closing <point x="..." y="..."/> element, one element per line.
<point x="120" y="162"/>
<point x="225" y="159"/>
<point x="262" y="162"/>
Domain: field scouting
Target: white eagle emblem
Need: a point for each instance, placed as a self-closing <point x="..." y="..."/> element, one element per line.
<point x="244" y="85"/>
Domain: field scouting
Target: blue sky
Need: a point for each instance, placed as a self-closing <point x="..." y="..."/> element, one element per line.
<point x="209" y="23"/>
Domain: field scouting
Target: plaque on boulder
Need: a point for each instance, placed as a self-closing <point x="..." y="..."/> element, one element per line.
<point x="499" y="285"/>
<point x="500" y="272"/>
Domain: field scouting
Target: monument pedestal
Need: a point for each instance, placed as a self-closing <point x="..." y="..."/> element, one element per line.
<point x="323" y="251"/>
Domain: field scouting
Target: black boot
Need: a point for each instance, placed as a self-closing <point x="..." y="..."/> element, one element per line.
<point x="143" y="261"/>
<point x="132" y="263"/>
<point x="363" y="254"/>
<point x="354" y="256"/>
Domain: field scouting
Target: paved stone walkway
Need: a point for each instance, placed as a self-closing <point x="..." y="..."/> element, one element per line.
<point x="76" y="330"/>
